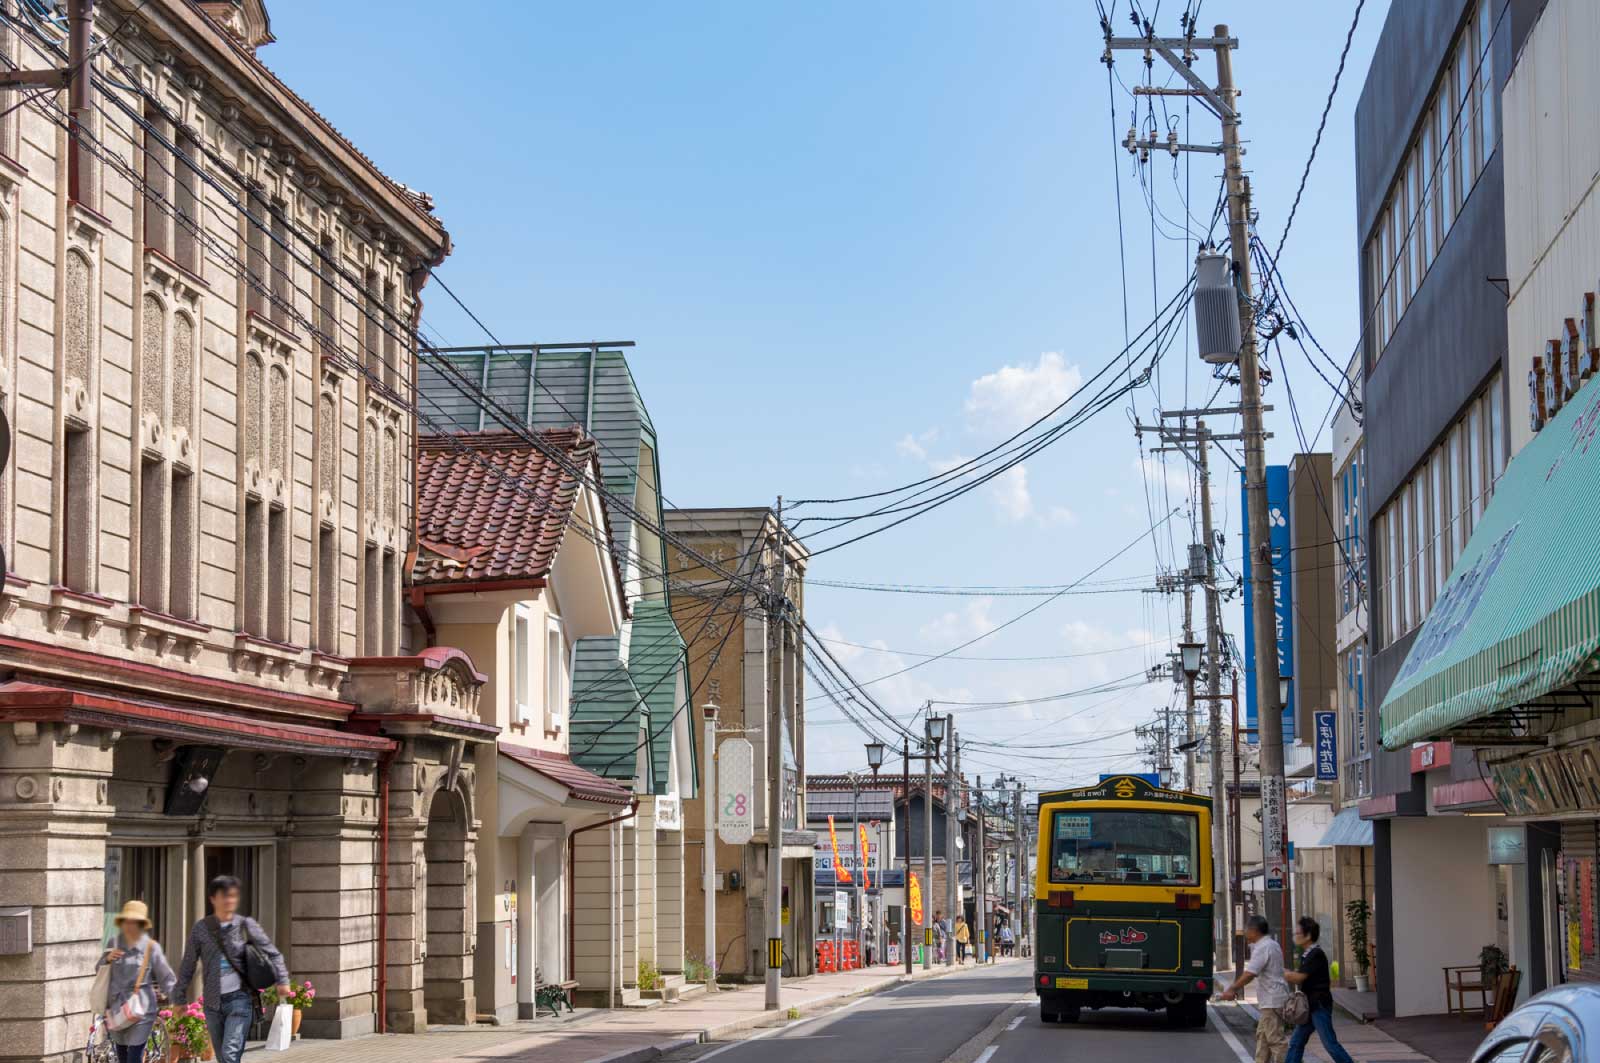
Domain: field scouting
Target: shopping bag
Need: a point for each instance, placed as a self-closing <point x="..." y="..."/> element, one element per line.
<point x="100" y="990"/>
<point x="282" y="1029"/>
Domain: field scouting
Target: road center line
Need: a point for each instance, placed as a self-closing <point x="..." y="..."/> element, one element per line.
<point x="1226" y="1035"/>
<point x="1014" y="1023"/>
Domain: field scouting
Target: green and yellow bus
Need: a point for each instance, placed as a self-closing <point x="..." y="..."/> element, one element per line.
<point x="1123" y="909"/>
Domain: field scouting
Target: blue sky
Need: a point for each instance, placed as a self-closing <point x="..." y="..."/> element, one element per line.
<point x="855" y="241"/>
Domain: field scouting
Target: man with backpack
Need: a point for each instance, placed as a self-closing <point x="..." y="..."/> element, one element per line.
<point x="237" y="960"/>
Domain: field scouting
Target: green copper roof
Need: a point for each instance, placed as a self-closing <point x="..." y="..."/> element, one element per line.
<point x="609" y="718"/>
<point x="549" y="389"/>
<point x="1520" y="615"/>
<point x="656" y="662"/>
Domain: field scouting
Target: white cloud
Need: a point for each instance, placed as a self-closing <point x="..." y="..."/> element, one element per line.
<point x="1016" y="395"/>
<point x="1060" y="515"/>
<point x="1172" y="474"/>
<point x="1010" y="491"/>
<point x="959" y="625"/>
<point x="916" y="446"/>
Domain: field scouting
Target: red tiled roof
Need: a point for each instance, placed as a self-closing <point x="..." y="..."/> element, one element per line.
<point x="492" y="507"/>
<point x="580" y="782"/>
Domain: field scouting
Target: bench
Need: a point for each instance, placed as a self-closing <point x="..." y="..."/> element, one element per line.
<point x="551" y="995"/>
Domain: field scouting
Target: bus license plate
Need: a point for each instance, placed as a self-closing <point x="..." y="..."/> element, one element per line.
<point x="1072" y="983"/>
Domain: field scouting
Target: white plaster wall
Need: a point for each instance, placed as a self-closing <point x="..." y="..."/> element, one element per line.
<point x="1443" y="906"/>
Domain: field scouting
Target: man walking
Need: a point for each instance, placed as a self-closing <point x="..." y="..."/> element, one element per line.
<point x="1265" y="968"/>
<point x="218" y="943"/>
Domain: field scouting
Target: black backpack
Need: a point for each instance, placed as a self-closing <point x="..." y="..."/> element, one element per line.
<point x="255" y="970"/>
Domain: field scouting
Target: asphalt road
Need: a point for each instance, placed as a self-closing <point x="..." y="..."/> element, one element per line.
<point x="979" y="1016"/>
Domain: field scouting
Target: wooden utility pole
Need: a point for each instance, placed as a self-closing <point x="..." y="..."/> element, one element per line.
<point x="1223" y="913"/>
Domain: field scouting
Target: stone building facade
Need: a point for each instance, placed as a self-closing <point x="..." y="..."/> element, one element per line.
<point x="731" y="663"/>
<point x="206" y="301"/>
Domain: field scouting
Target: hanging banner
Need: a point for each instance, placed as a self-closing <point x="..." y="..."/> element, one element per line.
<point x="736" y="805"/>
<point x="1282" y="600"/>
<point x="914" y="899"/>
<point x="863" y="852"/>
<point x="1327" y="745"/>
<point x="841" y="873"/>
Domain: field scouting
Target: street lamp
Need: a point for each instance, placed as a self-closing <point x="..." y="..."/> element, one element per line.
<point x="874" y="756"/>
<point x="1283" y="690"/>
<point x="935" y="731"/>
<point x="1190" y="652"/>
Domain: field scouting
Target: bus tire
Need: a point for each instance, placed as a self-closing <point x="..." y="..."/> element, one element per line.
<point x="1069" y="1013"/>
<point x="1049" y="1017"/>
<point x="1195" y="1009"/>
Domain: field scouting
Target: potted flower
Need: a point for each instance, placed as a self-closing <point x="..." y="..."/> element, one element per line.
<point x="1492" y="963"/>
<point x="186" y="1031"/>
<point x="300" y="998"/>
<point x="1359" y="914"/>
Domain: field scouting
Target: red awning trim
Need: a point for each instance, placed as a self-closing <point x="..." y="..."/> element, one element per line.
<point x="559" y="768"/>
<point x="23" y="702"/>
<point x="1466" y="794"/>
<point x="104" y="668"/>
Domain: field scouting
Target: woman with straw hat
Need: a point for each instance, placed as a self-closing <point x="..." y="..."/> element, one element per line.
<point x="138" y="969"/>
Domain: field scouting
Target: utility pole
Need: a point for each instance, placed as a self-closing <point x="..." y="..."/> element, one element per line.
<point x="1188" y="690"/>
<point x="1269" y="707"/>
<point x="927" y="857"/>
<point x="861" y="856"/>
<point x="980" y="874"/>
<point x="905" y="911"/>
<point x="776" y="620"/>
<point x="708" y="791"/>
<point x="1223" y="913"/>
<point x="952" y="831"/>
<point x="1018" y="916"/>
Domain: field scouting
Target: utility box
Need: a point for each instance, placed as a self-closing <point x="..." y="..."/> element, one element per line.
<point x="16" y="931"/>
<point x="1216" y="309"/>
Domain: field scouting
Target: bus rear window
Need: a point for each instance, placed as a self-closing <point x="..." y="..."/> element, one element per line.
<point x="1102" y="845"/>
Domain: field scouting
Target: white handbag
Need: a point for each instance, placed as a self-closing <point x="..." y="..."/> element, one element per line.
<point x="282" y="1029"/>
<point x="131" y="1011"/>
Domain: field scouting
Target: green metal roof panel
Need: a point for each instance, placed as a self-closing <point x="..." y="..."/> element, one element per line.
<point x="1520" y="614"/>
<point x="656" y="663"/>
<point x="609" y="717"/>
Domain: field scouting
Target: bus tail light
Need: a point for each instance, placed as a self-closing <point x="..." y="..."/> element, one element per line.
<point x="1044" y="981"/>
<point x="1061" y="898"/>
<point x="1188" y="902"/>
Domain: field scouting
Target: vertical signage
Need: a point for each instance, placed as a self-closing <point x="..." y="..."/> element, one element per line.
<point x="864" y="856"/>
<point x="1282" y="601"/>
<point x="841" y="872"/>
<point x="914" y="898"/>
<point x="736" y="806"/>
<point x="1327" y="745"/>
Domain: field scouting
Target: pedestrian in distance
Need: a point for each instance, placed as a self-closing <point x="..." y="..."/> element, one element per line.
<point x="139" y="969"/>
<point x="1315" y="982"/>
<point x="963" y="939"/>
<point x="1265" y="968"/>
<point x="1008" y="940"/>
<point x="219" y="944"/>
<point x="941" y="934"/>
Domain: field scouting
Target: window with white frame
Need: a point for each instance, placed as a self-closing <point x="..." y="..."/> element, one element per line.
<point x="1424" y="528"/>
<point x="555" y="676"/>
<point x="522" y="667"/>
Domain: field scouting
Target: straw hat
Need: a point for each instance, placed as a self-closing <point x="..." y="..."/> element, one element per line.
<point x="133" y="911"/>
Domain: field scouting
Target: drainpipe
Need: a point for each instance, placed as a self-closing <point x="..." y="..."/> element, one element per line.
<point x="384" y="763"/>
<point x="419" y="605"/>
<point x="572" y="878"/>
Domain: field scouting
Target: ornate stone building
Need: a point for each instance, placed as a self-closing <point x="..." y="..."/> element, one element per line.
<point x="206" y="665"/>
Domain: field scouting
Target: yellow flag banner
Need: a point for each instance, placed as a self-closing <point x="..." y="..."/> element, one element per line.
<point x="861" y="857"/>
<point x="840" y="872"/>
<point x="915" y="891"/>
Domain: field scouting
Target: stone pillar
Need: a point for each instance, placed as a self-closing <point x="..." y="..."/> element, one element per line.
<point x="549" y="907"/>
<point x="527" y="888"/>
<point x="407" y="933"/>
<point x="669" y="901"/>
<point x="333" y="931"/>
<point x="630" y="899"/>
<point x="54" y="815"/>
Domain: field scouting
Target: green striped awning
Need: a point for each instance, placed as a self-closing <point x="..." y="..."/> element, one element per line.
<point x="1520" y="615"/>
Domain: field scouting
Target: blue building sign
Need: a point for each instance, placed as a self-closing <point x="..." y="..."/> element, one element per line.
<point x="1148" y="776"/>
<point x="1282" y="599"/>
<point x="1327" y="745"/>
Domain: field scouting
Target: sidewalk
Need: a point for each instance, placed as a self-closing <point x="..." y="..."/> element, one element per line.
<point x="1365" y="1043"/>
<point x="622" y="1036"/>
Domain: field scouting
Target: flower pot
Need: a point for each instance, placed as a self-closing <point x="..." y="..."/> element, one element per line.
<point x="1361" y="983"/>
<point x="296" y="1025"/>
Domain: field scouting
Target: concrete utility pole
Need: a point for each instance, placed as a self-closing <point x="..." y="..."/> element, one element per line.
<point x="952" y="832"/>
<point x="905" y="910"/>
<point x="861" y="856"/>
<point x="927" y="860"/>
<point x="776" y="620"/>
<point x="1269" y="706"/>
<point x="1018" y="915"/>
<point x="980" y="874"/>
<point x="708" y="791"/>
<point x="1188" y="690"/>
<point x="1222" y="881"/>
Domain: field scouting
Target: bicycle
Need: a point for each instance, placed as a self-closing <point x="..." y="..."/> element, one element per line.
<point x="99" y="1048"/>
